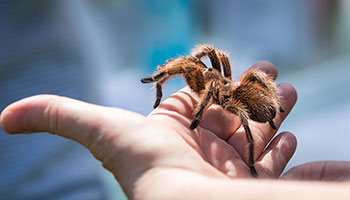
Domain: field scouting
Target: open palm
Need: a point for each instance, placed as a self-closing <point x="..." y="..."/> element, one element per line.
<point x="160" y="149"/>
<point x="219" y="145"/>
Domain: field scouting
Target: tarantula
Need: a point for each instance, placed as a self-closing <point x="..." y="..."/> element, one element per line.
<point x="256" y="97"/>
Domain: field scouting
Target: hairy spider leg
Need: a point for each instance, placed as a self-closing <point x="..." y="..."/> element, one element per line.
<point x="191" y="72"/>
<point x="159" y="93"/>
<point x="223" y="57"/>
<point x="154" y="78"/>
<point x="171" y="71"/>
<point x="251" y="151"/>
<point x="203" y="104"/>
<point x="207" y="50"/>
<point x="244" y="120"/>
<point x="159" y="78"/>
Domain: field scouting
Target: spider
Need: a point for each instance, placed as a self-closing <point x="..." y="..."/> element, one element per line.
<point x="255" y="98"/>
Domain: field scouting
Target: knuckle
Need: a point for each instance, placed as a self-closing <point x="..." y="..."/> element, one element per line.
<point x="52" y="113"/>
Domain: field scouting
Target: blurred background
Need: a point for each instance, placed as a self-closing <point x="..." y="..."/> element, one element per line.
<point x="101" y="48"/>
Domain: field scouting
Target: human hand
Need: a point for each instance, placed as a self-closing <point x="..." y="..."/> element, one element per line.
<point x="160" y="150"/>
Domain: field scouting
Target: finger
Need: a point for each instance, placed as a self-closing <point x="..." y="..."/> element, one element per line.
<point x="275" y="158"/>
<point x="109" y="133"/>
<point x="288" y="97"/>
<point x="265" y="66"/>
<point x="66" y="117"/>
<point x="320" y="171"/>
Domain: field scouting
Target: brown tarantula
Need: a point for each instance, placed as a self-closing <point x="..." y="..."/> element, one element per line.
<point x="255" y="98"/>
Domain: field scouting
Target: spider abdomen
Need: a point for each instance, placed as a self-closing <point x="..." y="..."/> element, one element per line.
<point x="259" y="105"/>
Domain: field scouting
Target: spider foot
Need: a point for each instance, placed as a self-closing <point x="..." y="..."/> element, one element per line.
<point x="282" y="109"/>
<point x="272" y="124"/>
<point x="156" y="104"/>
<point x="147" y="80"/>
<point x="194" y="124"/>
<point x="253" y="171"/>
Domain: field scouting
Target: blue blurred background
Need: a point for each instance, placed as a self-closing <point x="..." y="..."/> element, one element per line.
<point x="120" y="41"/>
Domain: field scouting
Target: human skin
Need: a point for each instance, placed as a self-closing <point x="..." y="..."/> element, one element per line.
<point x="159" y="157"/>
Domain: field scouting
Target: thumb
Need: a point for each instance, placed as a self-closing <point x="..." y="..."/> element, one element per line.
<point x="104" y="131"/>
<point x="83" y="122"/>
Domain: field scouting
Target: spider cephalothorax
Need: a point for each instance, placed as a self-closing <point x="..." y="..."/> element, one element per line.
<point x="255" y="98"/>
